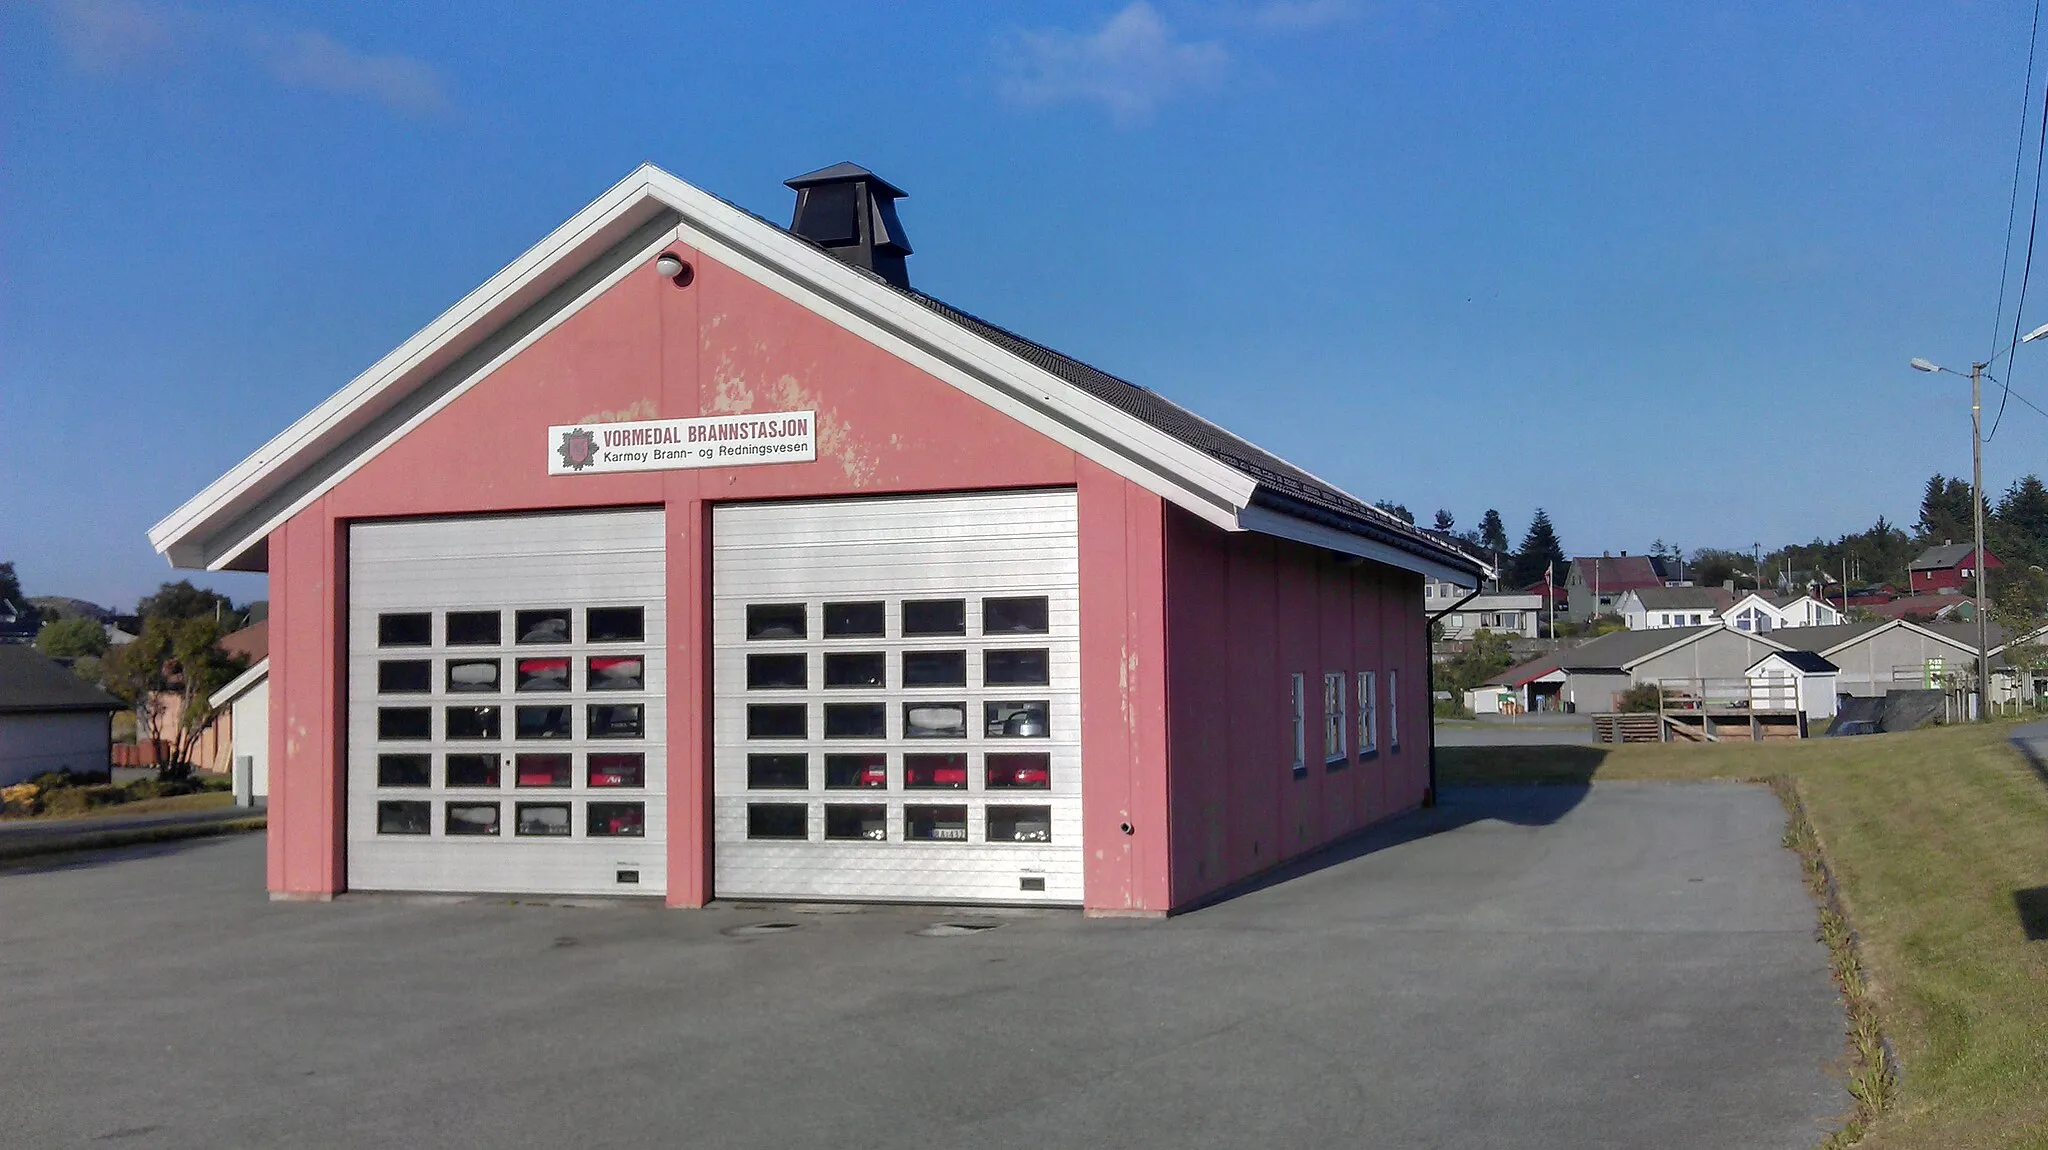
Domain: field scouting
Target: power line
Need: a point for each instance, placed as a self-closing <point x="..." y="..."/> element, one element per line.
<point x="2033" y="224"/>
<point x="2019" y="153"/>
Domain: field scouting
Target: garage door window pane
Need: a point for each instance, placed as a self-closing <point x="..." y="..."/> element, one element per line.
<point x="550" y="674"/>
<point x="778" y="821"/>
<point x="1017" y="720"/>
<point x="542" y="723"/>
<point x="867" y="822"/>
<point x="617" y="673"/>
<point x="856" y="721"/>
<point x="778" y="772"/>
<point x="934" y="668"/>
<point x="935" y="824"/>
<point x="617" y="721"/>
<point x="472" y="818"/>
<point x="405" y="818"/>
<point x="777" y="721"/>
<point x="614" y="625"/>
<point x="474" y="629"/>
<point x="616" y="820"/>
<point x="855" y="668"/>
<point x="410" y="677"/>
<point x="472" y="722"/>
<point x="472" y="770"/>
<point x="407" y="630"/>
<point x="546" y="626"/>
<point x="935" y="772"/>
<point x="775" y="621"/>
<point x="615" y="770"/>
<point x="1016" y="668"/>
<point x="856" y="772"/>
<point x="1018" y="772"/>
<point x="1020" y="824"/>
<point x="405" y="770"/>
<point x="935" y="617"/>
<point x="405" y="723"/>
<point x="855" y="620"/>
<point x="543" y="771"/>
<point x="777" y="672"/>
<point x="541" y="820"/>
<point x="1027" y="616"/>
<point x="473" y="676"/>
<point x="934" y="720"/>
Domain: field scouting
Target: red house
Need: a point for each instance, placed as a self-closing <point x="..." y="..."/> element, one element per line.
<point x="696" y="557"/>
<point x="1949" y="569"/>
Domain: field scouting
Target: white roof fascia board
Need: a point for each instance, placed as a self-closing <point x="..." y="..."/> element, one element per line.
<point x="1969" y="648"/>
<point x="1266" y="521"/>
<point x="1702" y="633"/>
<point x="241" y="684"/>
<point x="1192" y="479"/>
<point x="516" y="286"/>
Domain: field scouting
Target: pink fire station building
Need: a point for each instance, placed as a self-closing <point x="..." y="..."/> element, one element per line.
<point x="696" y="557"/>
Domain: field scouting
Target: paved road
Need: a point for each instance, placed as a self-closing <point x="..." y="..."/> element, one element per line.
<point x="1545" y="967"/>
<point x="16" y="831"/>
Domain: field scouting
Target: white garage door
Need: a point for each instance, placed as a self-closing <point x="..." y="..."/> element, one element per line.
<point x="897" y="699"/>
<point x="506" y="713"/>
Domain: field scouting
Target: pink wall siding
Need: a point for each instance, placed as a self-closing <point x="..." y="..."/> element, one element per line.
<point x="1244" y="613"/>
<point x="648" y="349"/>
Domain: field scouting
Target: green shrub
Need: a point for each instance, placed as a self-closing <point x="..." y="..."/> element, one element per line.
<point x="79" y="800"/>
<point x="1643" y="697"/>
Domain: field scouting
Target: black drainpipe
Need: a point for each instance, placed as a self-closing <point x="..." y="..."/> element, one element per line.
<point x="1429" y="796"/>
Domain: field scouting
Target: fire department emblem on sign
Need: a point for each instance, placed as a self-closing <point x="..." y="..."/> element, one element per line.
<point x="578" y="449"/>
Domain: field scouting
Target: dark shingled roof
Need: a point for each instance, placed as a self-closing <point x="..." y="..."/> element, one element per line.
<point x="1943" y="557"/>
<point x="31" y="682"/>
<point x="1282" y="486"/>
<point x="1803" y="660"/>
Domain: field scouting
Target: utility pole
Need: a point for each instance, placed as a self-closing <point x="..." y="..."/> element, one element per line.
<point x="1977" y="512"/>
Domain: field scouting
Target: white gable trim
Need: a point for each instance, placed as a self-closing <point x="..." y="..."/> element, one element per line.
<point x="241" y="684"/>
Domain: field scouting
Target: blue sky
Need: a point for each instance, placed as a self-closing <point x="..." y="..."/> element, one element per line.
<point x="1656" y="268"/>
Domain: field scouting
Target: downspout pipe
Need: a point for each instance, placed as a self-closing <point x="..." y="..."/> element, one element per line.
<point x="1429" y="795"/>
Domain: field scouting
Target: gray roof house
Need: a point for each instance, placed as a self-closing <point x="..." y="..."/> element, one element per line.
<point x="50" y="719"/>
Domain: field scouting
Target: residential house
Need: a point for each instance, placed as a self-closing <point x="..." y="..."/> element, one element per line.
<point x="1503" y="613"/>
<point x="1594" y="585"/>
<point x="1591" y="677"/>
<point x="50" y="719"/>
<point x="1760" y="612"/>
<point x="1949" y="569"/>
<point x="1653" y="608"/>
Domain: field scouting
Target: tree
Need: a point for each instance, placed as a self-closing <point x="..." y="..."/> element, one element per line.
<point x="2019" y="532"/>
<point x="1945" y="511"/>
<point x="1493" y="534"/>
<point x="71" y="638"/>
<point x="10" y="585"/>
<point x="1396" y="510"/>
<point x="1540" y="551"/>
<point x="181" y="600"/>
<point x="1484" y="656"/>
<point x="1445" y="521"/>
<point x="169" y="675"/>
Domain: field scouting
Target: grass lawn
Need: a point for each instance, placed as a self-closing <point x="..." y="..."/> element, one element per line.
<point x="1938" y="840"/>
<point x="203" y="801"/>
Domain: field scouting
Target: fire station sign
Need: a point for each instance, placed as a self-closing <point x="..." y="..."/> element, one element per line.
<point x="666" y="444"/>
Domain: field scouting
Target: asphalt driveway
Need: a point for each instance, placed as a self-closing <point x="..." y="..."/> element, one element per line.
<point x="1628" y="966"/>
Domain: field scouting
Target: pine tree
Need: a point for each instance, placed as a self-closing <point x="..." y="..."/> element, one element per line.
<point x="1396" y="510"/>
<point x="1445" y="521"/>
<point x="1493" y="534"/>
<point x="2019" y="533"/>
<point x="1945" y="512"/>
<point x="1540" y="551"/>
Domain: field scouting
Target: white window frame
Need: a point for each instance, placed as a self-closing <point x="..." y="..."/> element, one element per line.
<point x="1368" y="714"/>
<point x="1336" y="716"/>
<point x="1300" y="689"/>
<point x="1393" y="708"/>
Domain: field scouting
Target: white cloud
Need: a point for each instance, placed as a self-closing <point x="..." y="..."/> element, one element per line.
<point x="1130" y="65"/>
<point x="111" y="35"/>
<point x="115" y="36"/>
<point x="315" y="60"/>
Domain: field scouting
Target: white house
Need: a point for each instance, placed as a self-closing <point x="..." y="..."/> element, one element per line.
<point x="1654" y="608"/>
<point x="1794" y="680"/>
<point x="248" y="698"/>
<point x="1758" y="613"/>
<point x="1501" y="614"/>
<point x="50" y="719"/>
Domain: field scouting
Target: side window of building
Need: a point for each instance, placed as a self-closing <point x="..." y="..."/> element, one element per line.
<point x="1335" y="716"/>
<point x="1394" y="709"/>
<point x="1300" y="704"/>
<point x="1368" y="714"/>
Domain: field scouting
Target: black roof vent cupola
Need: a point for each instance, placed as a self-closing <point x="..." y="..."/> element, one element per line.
<point x="851" y="212"/>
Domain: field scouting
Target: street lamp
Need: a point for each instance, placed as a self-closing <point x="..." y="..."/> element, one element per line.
<point x="1977" y="507"/>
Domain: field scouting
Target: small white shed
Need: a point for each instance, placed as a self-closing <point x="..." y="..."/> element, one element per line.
<point x="248" y="697"/>
<point x="1794" y="680"/>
